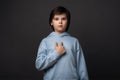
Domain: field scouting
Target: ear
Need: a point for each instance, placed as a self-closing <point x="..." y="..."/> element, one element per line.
<point x="51" y="23"/>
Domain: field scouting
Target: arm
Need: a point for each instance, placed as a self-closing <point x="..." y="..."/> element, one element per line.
<point x="45" y="58"/>
<point x="81" y="65"/>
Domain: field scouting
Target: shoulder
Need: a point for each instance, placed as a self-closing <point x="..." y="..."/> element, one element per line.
<point x="44" y="40"/>
<point x="75" y="41"/>
<point x="74" y="38"/>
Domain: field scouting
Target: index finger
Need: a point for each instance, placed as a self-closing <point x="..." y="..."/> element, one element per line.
<point x="61" y="43"/>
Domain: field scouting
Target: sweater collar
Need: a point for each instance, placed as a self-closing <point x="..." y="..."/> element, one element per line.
<point x="56" y="34"/>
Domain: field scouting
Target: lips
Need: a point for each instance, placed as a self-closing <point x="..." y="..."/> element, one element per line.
<point x="59" y="25"/>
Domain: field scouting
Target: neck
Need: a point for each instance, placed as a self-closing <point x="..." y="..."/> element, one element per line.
<point x="58" y="32"/>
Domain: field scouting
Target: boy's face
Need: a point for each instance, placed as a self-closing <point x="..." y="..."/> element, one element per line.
<point x="59" y="22"/>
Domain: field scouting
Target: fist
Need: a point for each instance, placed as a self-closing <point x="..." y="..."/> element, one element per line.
<point x="60" y="48"/>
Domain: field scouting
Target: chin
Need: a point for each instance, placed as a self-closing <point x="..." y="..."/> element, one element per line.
<point x="62" y="31"/>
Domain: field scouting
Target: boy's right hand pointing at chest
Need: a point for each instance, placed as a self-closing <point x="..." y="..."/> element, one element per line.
<point x="60" y="48"/>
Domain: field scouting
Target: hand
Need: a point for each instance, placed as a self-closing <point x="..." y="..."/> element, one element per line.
<point x="60" y="48"/>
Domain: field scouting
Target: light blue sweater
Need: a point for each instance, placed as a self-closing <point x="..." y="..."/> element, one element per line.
<point x="70" y="66"/>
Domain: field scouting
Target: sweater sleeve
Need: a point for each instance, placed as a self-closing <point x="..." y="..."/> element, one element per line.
<point x="44" y="57"/>
<point x="81" y="65"/>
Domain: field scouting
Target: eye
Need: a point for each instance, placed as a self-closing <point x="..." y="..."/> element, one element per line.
<point x="64" y="18"/>
<point x="56" y="19"/>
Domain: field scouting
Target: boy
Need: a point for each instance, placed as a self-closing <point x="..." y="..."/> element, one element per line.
<point x="59" y="54"/>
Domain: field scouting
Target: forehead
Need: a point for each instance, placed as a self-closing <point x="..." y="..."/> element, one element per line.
<point x="60" y="15"/>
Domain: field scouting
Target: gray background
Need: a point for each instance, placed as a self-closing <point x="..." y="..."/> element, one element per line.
<point x="23" y="24"/>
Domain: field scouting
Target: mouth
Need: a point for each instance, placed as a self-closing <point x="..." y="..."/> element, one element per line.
<point x="59" y="25"/>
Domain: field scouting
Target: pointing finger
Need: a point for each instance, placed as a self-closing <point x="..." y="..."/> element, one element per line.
<point x="61" y="43"/>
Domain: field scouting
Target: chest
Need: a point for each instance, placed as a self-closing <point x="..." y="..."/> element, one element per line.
<point x="67" y="43"/>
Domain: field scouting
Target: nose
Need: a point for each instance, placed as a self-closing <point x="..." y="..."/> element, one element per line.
<point x="60" y="21"/>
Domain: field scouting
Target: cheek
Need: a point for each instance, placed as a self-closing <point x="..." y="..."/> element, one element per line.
<point x="65" y="23"/>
